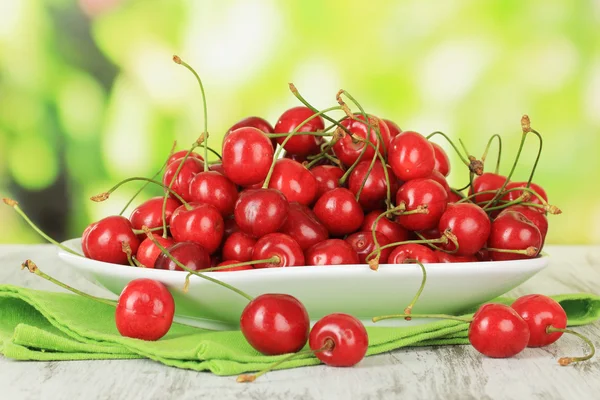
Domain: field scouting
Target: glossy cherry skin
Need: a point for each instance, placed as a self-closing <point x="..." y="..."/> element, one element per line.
<point x="392" y="127"/>
<point x="444" y="257"/>
<point x="104" y="239"/>
<point x="278" y="245"/>
<point x="261" y="211"/>
<point x="484" y="182"/>
<point x="148" y="252"/>
<point x="238" y="246"/>
<point x="190" y="168"/>
<point x="512" y="231"/>
<point x="532" y="214"/>
<point x="328" y="178"/>
<point x="303" y="226"/>
<point x="302" y="145"/>
<point x="190" y="254"/>
<point x="514" y="195"/>
<point x="469" y="223"/>
<point x="229" y="262"/>
<point x="442" y="162"/>
<point x="202" y="224"/>
<point x="406" y="252"/>
<point x="393" y="230"/>
<point x="421" y="192"/>
<point x="178" y="155"/>
<point x="348" y="336"/>
<point x="411" y="156"/>
<point x="293" y="180"/>
<point x="149" y="213"/>
<point x="441" y="179"/>
<point x="247" y="156"/>
<point x="348" y="150"/>
<point x="363" y="244"/>
<point x="374" y="191"/>
<point x="497" y="331"/>
<point x="215" y="189"/>
<point x="331" y="252"/>
<point x="541" y="312"/>
<point x="339" y="212"/>
<point x="275" y="324"/>
<point x="145" y="310"/>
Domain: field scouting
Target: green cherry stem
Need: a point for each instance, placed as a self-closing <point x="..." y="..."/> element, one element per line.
<point x="105" y="195"/>
<point x="216" y="153"/>
<point x="462" y="158"/>
<point x="529" y="252"/>
<point x="408" y="309"/>
<point x="537" y="157"/>
<point x="487" y="147"/>
<point x="436" y="316"/>
<point x="564" y="361"/>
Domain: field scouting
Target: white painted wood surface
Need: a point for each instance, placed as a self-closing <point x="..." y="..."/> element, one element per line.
<point x="450" y="372"/>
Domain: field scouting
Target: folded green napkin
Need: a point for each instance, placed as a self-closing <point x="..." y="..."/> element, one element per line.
<point x="37" y="325"/>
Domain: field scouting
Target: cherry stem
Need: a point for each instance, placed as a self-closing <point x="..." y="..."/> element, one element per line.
<point x="437" y="316"/>
<point x="328" y="346"/>
<point x="179" y="61"/>
<point x="531" y="251"/>
<point x="564" y="361"/>
<point x="451" y="237"/>
<point x="33" y="268"/>
<point x="216" y="153"/>
<point x="273" y="259"/>
<point x="126" y="248"/>
<point x="141" y="231"/>
<point x="484" y="156"/>
<point x="464" y="160"/>
<point x="374" y="263"/>
<point x="537" y="157"/>
<point x="104" y="196"/>
<point x="15" y="205"/>
<point x="408" y="309"/>
<point x="182" y="266"/>
<point x="371" y="165"/>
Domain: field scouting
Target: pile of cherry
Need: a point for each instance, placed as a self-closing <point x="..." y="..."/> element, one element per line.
<point x="299" y="193"/>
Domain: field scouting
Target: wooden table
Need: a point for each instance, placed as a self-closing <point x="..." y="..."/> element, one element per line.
<point x="452" y="372"/>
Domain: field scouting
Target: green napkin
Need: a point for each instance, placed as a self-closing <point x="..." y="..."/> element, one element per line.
<point x="37" y="325"/>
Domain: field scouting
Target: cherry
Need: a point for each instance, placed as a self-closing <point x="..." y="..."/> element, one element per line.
<point x="178" y="155"/>
<point x="541" y="312"/>
<point x="147" y="252"/>
<point x="145" y="310"/>
<point x="410" y="251"/>
<point x="280" y="246"/>
<point x="299" y="144"/>
<point x="343" y="337"/>
<point x="149" y="213"/>
<point x="293" y="180"/>
<point x="236" y="268"/>
<point x="444" y="257"/>
<point x="469" y="223"/>
<point x="332" y="252"/>
<point x="486" y="181"/>
<point x="239" y="246"/>
<point x="348" y="149"/>
<point x="247" y="156"/>
<point x="513" y="237"/>
<point x="190" y="254"/>
<point x="515" y="194"/>
<point x="261" y="211"/>
<point x="411" y="156"/>
<point x="421" y="193"/>
<point x="303" y="226"/>
<point x="190" y="168"/>
<point x="104" y="239"/>
<point x="441" y="179"/>
<point x="394" y="231"/>
<point x="213" y="188"/>
<point x="442" y="162"/>
<point x="363" y="244"/>
<point x="497" y="331"/>
<point x="374" y="191"/>
<point x="217" y="167"/>
<point x="392" y="127"/>
<point x="328" y="178"/>
<point x="533" y="215"/>
<point x="252" y="122"/>
<point x="275" y="324"/>
<point x="339" y="212"/>
<point x="202" y="224"/>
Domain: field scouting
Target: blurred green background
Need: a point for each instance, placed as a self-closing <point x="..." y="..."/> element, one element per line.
<point x="89" y="94"/>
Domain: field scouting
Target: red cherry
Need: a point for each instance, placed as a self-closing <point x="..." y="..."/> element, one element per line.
<point x="229" y="262"/>
<point x="444" y="257"/>
<point x="148" y="252"/>
<point x="278" y="245"/>
<point x="374" y="192"/>
<point x="145" y="310"/>
<point x="339" y="211"/>
<point x="178" y="155"/>
<point x="512" y="231"/>
<point x="252" y="122"/>
<point x="510" y="196"/>
<point x="411" y="156"/>
<point x="442" y="162"/>
<point x="275" y="324"/>
<point x="104" y="239"/>
<point x="149" y="214"/>
<point x="533" y="215"/>
<point x="190" y="168"/>
<point x="202" y="224"/>
<point x="426" y="193"/>
<point x="303" y="226"/>
<point x="439" y="178"/>
<point x="215" y="189"/>
<point x="190" y="254"/>
<point x="84" y="237"/>
<point x="394" y="231"/>
<point x="497" y="331"/>
<point x="344" y="335"/>
<point x="301" y="145"/>
<point x="348" y="150"/>
<point x="412" y="251"/>
<point x="247" y="156"/>
<point x="541" y="312"/>
<point x="238" y="246"/>
<point x="293" y="180"/>
<point x="217" y="167"/>
<point x="331" y="252"/>
<point x="363" y="244"/>
<point x="486" y="181"/>
<point x="261" y="211"/>
<point x="469" y="223"/>
<point x="328" y="178"/>
<point x="392" y="127"/>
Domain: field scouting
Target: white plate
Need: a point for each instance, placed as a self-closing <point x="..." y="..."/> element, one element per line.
<point x="352" y="289"/>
